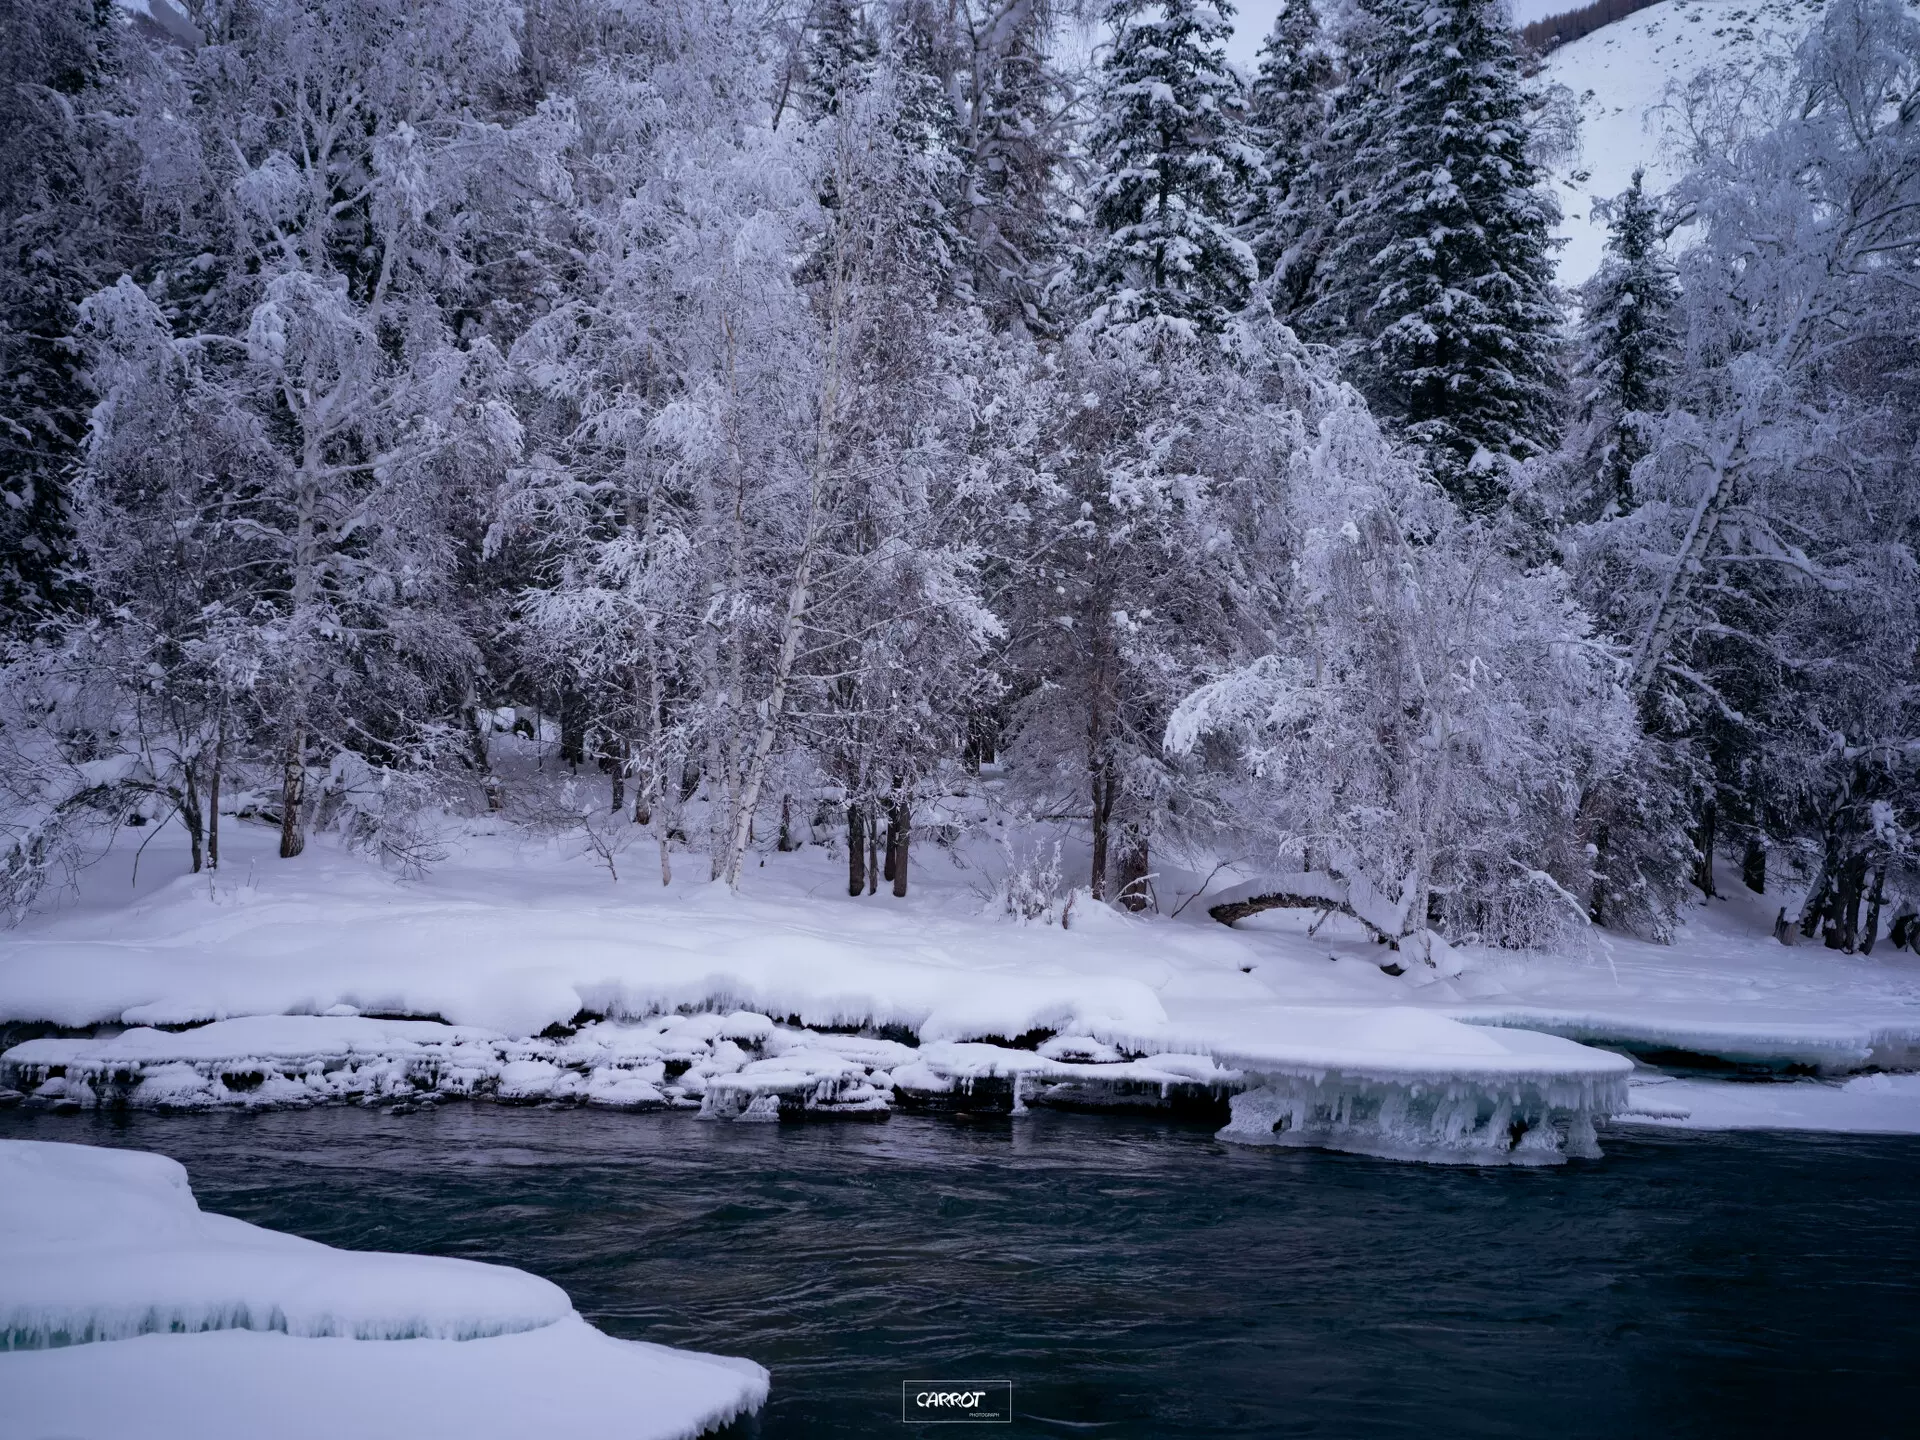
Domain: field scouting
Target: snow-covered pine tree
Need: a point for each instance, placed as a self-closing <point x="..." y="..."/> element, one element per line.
<point x="926" y="146"/>
<point x="1439" y="280"/>
<point x="1172" y="160"/>
<point x="57" y="245"/>
<point x="840" y="52"/>
<point x="1017" y="146"/>
<point x="1289" y="104"/>
<point x="1628" y="347"/>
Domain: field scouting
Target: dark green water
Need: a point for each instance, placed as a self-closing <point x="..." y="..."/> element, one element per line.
<point x="1136" y="1279"/>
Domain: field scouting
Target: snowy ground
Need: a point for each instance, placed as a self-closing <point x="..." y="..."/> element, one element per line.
<point x="337" y="980"/>
<point x="1626" y="76"/>
<point x="126" y="1310"/>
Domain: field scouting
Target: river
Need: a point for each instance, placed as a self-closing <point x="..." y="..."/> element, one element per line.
<point x="1136" y="1278"/>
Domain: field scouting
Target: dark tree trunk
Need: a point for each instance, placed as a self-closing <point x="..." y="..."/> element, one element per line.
<point x="1135" y="891"/>
<point x="614" y="758"/>
<point x="891" y="860"/>
<point x="1103" y="796"/>
<point x="856" y="850"/>
<point x="1597" y="896"/>
<point x="293" y="785"/>
<point x="213" y="795"/>
<point x="1704" y="840"/>
<point x="1846" y="908"/>
<point x="873" y="853"/>
<point x="573" y="727"/>
<point x="980" y="742"/>
<point x="1753" y="865"/>
<point x="1813" y="909"/>
<point x="899" y="835"/>
<point x="787" y="843"/>
<point x="478" y="730"/>
<point x="190" y="814"/>
<point x="1874" y="902"/>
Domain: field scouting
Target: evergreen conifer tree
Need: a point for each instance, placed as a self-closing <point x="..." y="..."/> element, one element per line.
<point x="1284" y="219"/>
<point x="1439" y="280"/>
<point x="1627" y="348"/>
<point x="841" y="50"/>
<point x="1173" y="160"/>
<point x="57" y="245"/>
<point x="1017" y="146"/>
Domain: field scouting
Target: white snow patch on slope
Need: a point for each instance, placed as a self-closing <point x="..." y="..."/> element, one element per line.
<point x="1623" y="75"/>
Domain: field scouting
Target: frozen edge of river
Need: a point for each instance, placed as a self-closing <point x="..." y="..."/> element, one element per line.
<point x="128" y="1310"/>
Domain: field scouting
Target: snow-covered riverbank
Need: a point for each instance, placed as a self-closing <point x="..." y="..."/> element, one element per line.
<point x="517" y="972"/>
<point x="125" y="1309"/>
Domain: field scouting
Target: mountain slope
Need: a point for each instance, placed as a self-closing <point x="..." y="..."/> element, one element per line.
<point x="1626" y="77"/>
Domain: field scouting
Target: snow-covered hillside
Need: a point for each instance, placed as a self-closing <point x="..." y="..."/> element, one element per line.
<point x="1624" y="76"/>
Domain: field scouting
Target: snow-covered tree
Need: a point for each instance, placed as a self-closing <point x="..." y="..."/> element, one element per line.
<point x="1765" y="579"/>
<point x="1628" y="346"/>
<point x="1289" y="106"/>
<point x="327" y="173"/>
<point x="841" y="50"/>
<point x="1420" y="714"/>
<point x="1172" y="158"/>
<point x="1107" y="531"/>
<point x="1017" y="139"/>
<point x="63" y="201"/>
<point x="1438" y="281"/>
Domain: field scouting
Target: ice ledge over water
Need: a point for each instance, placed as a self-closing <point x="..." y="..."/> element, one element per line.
<point x="1407" y="1084"/>
<point x="1538" y="1121"/>
<point x="99" y="1244"/>
<point x="126" y="1310"/>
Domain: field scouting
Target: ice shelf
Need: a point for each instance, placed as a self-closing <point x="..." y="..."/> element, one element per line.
<point x="1512" y="1121"/>
<point x="127" y="1310"/>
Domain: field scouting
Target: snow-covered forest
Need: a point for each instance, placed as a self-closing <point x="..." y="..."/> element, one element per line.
<point x="720" y="425"/>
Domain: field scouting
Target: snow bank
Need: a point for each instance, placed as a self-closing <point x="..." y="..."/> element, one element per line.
<point x="125" y="1309"/>
<point x="513" y="961"/>
<point x="100" y="1244"/>
<point x="562" y="1379"/>
<point x="745" y="1066"/>
<point x="729" y="1002"/>
<point x="1866" y="1104"/>
<point x="1397" y="1043"/>
<point x="280" y="1060"/>
<point x="1771" y="1042"/>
